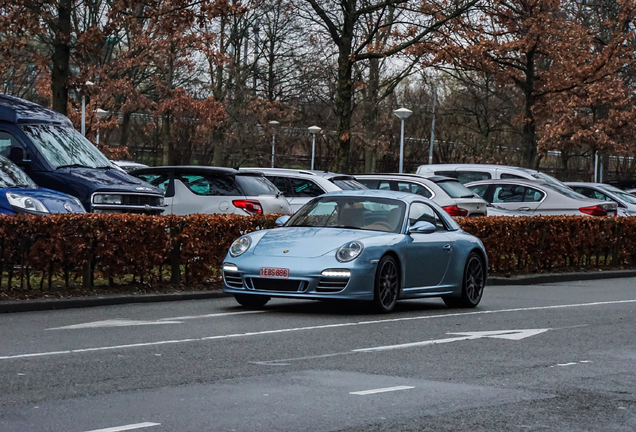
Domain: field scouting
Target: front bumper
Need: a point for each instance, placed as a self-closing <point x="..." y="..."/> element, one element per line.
<point x="305" y="277"/>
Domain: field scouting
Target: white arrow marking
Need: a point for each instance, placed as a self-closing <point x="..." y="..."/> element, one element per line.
<point x="121" y="322"/>
<point x="501" y="334"/>
<point x="382" y="390"/>
<point x="127" y="427"/>
<point x="114" y="323"/>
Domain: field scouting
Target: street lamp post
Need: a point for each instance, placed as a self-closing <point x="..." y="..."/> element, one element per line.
<point x="273" y="123"/>
<point x="313" y="130"/>
<point x="100" y="113"/>
<point x="403" y="114"/>
<point x="89" y="84"/>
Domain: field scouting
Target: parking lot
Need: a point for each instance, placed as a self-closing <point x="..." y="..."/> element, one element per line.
<point x="557" y="357"/>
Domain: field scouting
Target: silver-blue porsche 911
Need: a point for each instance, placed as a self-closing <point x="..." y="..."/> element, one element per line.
<point x="370" y="245"/>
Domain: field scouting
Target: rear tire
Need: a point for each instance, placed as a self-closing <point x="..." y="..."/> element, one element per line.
<point x="473" y="284"/>
<point x="252" y="301"/>
<point x="387" y="285"/>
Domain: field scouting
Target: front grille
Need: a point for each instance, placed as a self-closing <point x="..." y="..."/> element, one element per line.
<point x="332" y="284"/>
<point x="141" y="200"/>
<point x="233" y="279"/>
<point x="289" y="285"/>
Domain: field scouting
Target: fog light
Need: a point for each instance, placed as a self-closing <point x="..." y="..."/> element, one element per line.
<point x="342" y="273"/>
<point x="230" y="267"/>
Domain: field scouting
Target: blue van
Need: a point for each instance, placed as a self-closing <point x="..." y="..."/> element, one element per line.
<point x="56" y="156"/>
<point x="20" y="195"/>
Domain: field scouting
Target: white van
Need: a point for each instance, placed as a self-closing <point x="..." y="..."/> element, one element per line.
<point x="467" y="173"/>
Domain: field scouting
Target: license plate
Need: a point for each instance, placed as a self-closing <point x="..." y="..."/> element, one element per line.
<point x="274" y="272"/>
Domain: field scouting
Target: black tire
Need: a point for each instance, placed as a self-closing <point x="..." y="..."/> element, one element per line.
<point x="387" y="285"/>
<point x="473" y="283"/>
<point x="252" y="300"/>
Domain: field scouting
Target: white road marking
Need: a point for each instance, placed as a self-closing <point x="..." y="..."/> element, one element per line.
<point x="571" y="363"/>
<point x="382" y="390"/>
<point x="121" y="322"/>
<point x="321" y="327"/>
<point x="127" y="427"/>
<point x="502" y="334"/>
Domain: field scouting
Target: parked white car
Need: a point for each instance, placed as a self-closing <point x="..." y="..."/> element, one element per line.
<point x="300" y="186"/>
<point x="535" y="197"/>
<point x="467" y="173"/>
<point x="626" y="202"/>
<point x="209" y="190"/>
<point x="448" y="193"/>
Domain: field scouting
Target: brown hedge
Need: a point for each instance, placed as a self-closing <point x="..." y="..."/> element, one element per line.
<point x="190" y="248"/>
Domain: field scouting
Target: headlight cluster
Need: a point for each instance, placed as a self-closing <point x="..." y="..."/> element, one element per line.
<point x="107" y="199"/>
<point x="349" y="251"/>
<point x="240" y="246"/>
<point x="26" y="203"/>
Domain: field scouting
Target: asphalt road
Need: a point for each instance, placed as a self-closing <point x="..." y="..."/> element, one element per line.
<point x="558" y="357"/>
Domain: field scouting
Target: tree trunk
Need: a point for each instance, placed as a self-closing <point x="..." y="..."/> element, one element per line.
<point x="371" y="116"/>
<point x="529" y="139"/>
<point x="61" y="58"/>
<point x="343" y="103"/>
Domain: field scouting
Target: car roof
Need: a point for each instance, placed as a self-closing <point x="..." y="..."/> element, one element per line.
<point x="314" y="173"/>
<point x="433" y="178"/>
<point x="20" y="111"/>
<point x="190" y="168"/>
<point x="508" y="181"/>
<point x="376" y="193"/>
<point x="483" y="166"/>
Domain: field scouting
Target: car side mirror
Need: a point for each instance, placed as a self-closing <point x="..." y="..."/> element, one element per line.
<point x="17" y="156"/>
<point x="281" y="220"/>
<point x="422" y="227"/>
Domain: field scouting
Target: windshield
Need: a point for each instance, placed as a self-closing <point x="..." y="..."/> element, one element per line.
<point x="627" y="197"/>
<point x="253" y="185"/>
<point x="564" y="190"/>
<point x="375" y="214"/>
<point x="64" y="146"/>
<point x="455" y="189"/>
<point x="13" y="177"/>
<point x="348" y="183"/>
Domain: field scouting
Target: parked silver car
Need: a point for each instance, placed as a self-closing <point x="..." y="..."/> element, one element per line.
<point x="200" y="189"/>
<point x="447" y="192"/>
<point x="626" y="202"/>
<point x="540" y="198"/>
<point x="467" y="173"/>
<point x="300" y="186"/>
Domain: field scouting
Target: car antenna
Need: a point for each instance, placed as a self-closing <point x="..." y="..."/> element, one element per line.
<point x="239" y="165"/>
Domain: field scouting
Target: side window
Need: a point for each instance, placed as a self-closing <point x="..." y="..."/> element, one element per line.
<point x="532" y="195"/>
<point x="508" y="193"/>
<point x="471" y="176"/>
<point x="370" y="183"/>
<point x="506" y="176"/>
<point x="305" y="188"/>
<point x="159" y="180"/>
<point x="414" y="188"/>
<point x="279" y="182"/>
<point x="452" y="174"/>
<point x="422" y="212"/>
<point x="384" y="185"/>
<point x="210" y="185"/>
<point x="479" y="189"/>
<point x="591" y="193"/>
<point x="7" y="141"/>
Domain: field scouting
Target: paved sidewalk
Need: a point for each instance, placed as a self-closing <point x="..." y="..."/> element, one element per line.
<point x="81" y="302"/>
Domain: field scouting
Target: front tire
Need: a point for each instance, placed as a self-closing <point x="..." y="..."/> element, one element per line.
<point x="473" y="284"/>
<point x="252" y="301"/>
<point x="387" y="285"/>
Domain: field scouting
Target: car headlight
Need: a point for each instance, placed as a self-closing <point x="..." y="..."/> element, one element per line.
<point x="349" y="251"/>
<point x="240" y="246"/>
<point x="107" y="199"/>
<point x="79" y="203"/>
<point x="26" y="203"/>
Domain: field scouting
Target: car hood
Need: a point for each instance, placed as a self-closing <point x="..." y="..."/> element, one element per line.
<point x="308" y="242"/>
<point x="108" y="179"/>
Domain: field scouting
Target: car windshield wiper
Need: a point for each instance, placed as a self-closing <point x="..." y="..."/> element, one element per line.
<point x="74" y="166"/>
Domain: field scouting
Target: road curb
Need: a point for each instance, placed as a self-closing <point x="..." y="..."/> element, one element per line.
<point x="82" y="302"/>
<point x="560" y="277"/>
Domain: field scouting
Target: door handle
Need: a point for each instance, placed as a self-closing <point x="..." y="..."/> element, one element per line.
<point x="524" y="209"/>
<point x="447" y="248"/>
